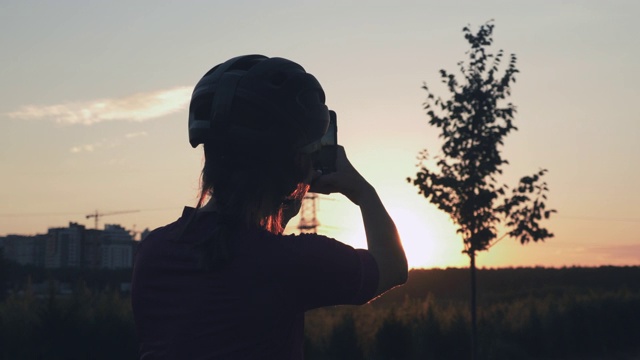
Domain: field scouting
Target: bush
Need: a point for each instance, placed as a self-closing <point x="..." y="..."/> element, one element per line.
<point x="84" y="325"/>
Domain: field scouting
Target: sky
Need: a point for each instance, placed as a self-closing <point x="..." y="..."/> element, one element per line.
<point x="94" y="97"/>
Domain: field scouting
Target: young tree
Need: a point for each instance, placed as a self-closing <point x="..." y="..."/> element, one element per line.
<point x="473" y="122"/>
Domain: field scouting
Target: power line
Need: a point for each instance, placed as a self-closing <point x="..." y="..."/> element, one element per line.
<point x="36" y="214"/>
<point x="594" y="218"/>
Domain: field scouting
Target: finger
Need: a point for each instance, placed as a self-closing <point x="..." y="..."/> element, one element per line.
<point x="323" y="185"/>
<point x="320" y="190"/>
<point x="315" y="175"/>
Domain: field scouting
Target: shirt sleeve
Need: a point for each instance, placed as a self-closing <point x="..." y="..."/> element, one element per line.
<point x="327" y="272"/>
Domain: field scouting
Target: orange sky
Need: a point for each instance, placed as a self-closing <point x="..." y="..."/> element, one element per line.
<point x="93" y="117"/>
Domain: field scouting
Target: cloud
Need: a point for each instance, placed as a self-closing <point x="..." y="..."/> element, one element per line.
<point x="135" y="135"/>
<point x="106" y="143"/>
<point x="94" y="146"/>
<point x="137" y="107"/>
<point x="83" y="148"/>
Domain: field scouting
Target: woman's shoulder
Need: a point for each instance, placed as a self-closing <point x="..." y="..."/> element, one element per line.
<point x="310" y="244"/>
<point x="170" y="227"/>
<point x="299" y="239"/>
<point x="167" y="235"/>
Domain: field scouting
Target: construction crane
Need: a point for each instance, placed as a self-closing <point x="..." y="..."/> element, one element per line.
<point x="96" y="215"/>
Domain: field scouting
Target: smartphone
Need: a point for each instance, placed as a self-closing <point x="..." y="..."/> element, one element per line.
<point x="328" y="149"/>
<point x="331" y="136"/>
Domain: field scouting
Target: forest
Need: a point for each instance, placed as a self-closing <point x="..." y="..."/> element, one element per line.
<point x="524" y="313"/>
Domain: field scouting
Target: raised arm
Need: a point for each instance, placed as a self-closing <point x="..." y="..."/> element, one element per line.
<point x="382" y="237"/>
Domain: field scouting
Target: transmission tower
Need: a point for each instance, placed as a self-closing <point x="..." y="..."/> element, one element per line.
<point x="308" y="214"/>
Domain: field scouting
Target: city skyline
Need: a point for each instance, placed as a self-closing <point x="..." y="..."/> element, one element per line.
<point x="74" y="246"/>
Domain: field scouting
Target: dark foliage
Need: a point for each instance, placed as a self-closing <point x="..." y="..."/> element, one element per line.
<point x="343" y="344"/>
<point x="85" y="325"/>
<point x="528" y="313"/>
<point x="506" y="284"/>
<point x="17" y="275"/>
<point x="4" y="271"/>
<point x="393" y="340"/>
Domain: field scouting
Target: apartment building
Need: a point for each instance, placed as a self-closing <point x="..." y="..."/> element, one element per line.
<point x="74" y="246"/>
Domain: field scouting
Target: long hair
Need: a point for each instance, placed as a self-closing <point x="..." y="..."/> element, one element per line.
<point x="251" y="181"/>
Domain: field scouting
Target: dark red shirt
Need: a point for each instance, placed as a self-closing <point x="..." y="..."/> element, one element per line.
<point x="251" y="309"/>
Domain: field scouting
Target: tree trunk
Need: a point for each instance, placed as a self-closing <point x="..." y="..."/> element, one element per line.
<point x="474" y="318"/>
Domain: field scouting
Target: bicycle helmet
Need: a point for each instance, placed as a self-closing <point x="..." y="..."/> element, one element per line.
<point x="290" y="98"/>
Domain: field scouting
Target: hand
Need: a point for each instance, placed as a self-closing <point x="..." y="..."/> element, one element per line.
<point x="346" y="180"/>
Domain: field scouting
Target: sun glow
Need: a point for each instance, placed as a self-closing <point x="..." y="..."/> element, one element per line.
<point x="428" y="236"/>
<point x="417" y="237"/>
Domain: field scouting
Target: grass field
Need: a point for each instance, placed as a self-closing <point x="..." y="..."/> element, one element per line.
<point x="524" y="313"/>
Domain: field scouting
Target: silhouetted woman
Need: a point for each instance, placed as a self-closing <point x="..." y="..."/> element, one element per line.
<point x="222" y="281"/>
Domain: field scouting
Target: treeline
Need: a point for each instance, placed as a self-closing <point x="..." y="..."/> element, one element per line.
<point x="506" y="283"/>
<point x="533" y="313"/>
<point x="16" y="277"/>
